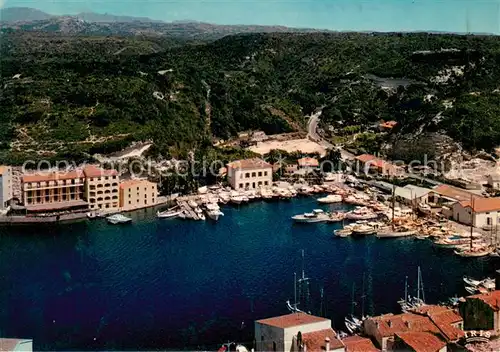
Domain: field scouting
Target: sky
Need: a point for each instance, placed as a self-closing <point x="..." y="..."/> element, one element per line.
<point x="479" y="16"/>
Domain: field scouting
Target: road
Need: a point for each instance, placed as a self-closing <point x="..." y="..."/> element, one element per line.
<point x="312" y="134"/>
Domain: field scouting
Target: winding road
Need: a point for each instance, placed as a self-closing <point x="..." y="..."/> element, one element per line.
<point x="312" y="134"/>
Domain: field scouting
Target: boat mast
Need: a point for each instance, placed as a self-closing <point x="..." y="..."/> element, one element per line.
<point x="406" y="289"/>
<point x="421" y="284"/>
<point x="352" y="299"/>
<point x="393" y="203"/>
<point x="471" y="220"/>
<point x="418" y="284"/>
<point x="363" y="298"/>
<point x="295" y="291"/>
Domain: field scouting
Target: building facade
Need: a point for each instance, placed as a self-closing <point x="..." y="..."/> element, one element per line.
<point x="480" y="212"/>
<point x="482" y="312"/>
<point x="5" y="187"/>
<point x="292" y="332"/>
<point x="494" y="181"/>
<point x="53" y="191"/>
<point x="102" y="188"/>
<point x="249" y="174"/>
<point x="135" y="194"/>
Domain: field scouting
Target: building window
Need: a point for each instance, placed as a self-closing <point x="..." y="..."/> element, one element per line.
<point x="253" y="174"/>
<point x="137" y="188"/>
<point x="153" y="200"/>
<point x="253" y="185"/>
<point x="129" y="202"/>
<point x="488" y="221"/>
<point x="247" y="184"/>
<point x="265" y="173"/>
<point x="145" y="202"/>
<point x="260" y="183"/>
<point x="247" y="175"/>
<point x="260" y="173"/>
<point x="241" y="185"/>
<point x="266" y="183"/>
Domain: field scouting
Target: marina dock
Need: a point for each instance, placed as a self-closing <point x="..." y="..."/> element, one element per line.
<point x="190" y="213"/>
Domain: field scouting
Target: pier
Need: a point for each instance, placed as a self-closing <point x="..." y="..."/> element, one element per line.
<point x="190" y="213"/>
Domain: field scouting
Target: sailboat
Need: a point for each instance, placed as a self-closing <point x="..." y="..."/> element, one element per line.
<point x="303" y="291"/>
<point x="352" y="323"/>
<point x="414" y="302"/>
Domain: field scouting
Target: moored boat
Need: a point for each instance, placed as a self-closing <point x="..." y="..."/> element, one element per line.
<point x="329" y="199"/>
<point x="395" y="232"/>
<point x="169" y="214"/>
<point x="317" y="215"/>
<point x="118" y="219"/>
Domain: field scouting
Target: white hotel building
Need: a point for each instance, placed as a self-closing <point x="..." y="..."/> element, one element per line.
<point x="249" y="174"/>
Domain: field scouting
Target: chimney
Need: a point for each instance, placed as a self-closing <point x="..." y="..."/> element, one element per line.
<point x="327" y="343"/>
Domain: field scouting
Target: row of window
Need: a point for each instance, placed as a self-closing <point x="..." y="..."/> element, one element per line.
<point x="105" y="178"/>
<point x="92" y="194"/>
<point x="254" y="174"/>
<point x="48" y="199"/>
<point x="145" y="189"/>
<point x="145" y="202"/>
<point x="55" y="192"/>
<point x="260" y="183"/>
<point x="54" y="183"/>
<point x="107" y="185"/>
<point x="100" y="199"/>
<point x="105" y="206"/>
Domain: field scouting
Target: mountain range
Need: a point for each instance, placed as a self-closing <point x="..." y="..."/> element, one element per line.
<point x="89" y="23"/>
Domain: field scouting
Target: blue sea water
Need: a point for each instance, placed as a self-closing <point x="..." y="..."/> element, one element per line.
<point x="170" y="284"/>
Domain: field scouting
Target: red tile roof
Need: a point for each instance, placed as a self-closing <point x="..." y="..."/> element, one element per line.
<point x="311" y="162"/>
<point x="455" y="193"/>
<point x="388" y="124"/>
<point x="254" y="163"/>
<point x="492" y="299"/>
<point x="481" y="205"/>
<point x="422" y="341"/>
<point x="443" y="318"/>
<point x="359" y="344"/>
<point x="52" y="176"/>
<point x="9" y="344"/>
<point x="289" y="320"/>
<point x="94" y="171"/>
<point x="388" y="325"/>
<point x="364" y="158"/>
<point x="315" y="341"/>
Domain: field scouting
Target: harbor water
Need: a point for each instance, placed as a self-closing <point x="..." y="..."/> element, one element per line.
<point x="173" y="284"/>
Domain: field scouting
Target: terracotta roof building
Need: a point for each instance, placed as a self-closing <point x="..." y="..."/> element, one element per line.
<point x="440" y="321"/>
<point x="294" y="332"/>
<point x="419" y="342"/>
<point x="135" y="194"/>
<point x="359" y="344"/>
<point x="480" y="212"/>
<point x="53" y="191"/>
<point x="454" y="194"/>
<point x="322" y="340"/>
<point x="481" y="312"/>
<point x="308" y="163"/>
<point x="249" y="174"/>
<point x="102" y="188"/>
<point x="370" y="163"/>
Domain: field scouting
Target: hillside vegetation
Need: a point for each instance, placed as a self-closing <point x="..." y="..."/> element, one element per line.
<point x="74" y="95"/>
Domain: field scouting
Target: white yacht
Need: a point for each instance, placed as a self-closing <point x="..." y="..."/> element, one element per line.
<point x="213" y="211"/>
<point x="317" y="215"/>
<point x="169" y="214"/>
<point x="331" y="198"/>
<point x="118" y="219"/>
